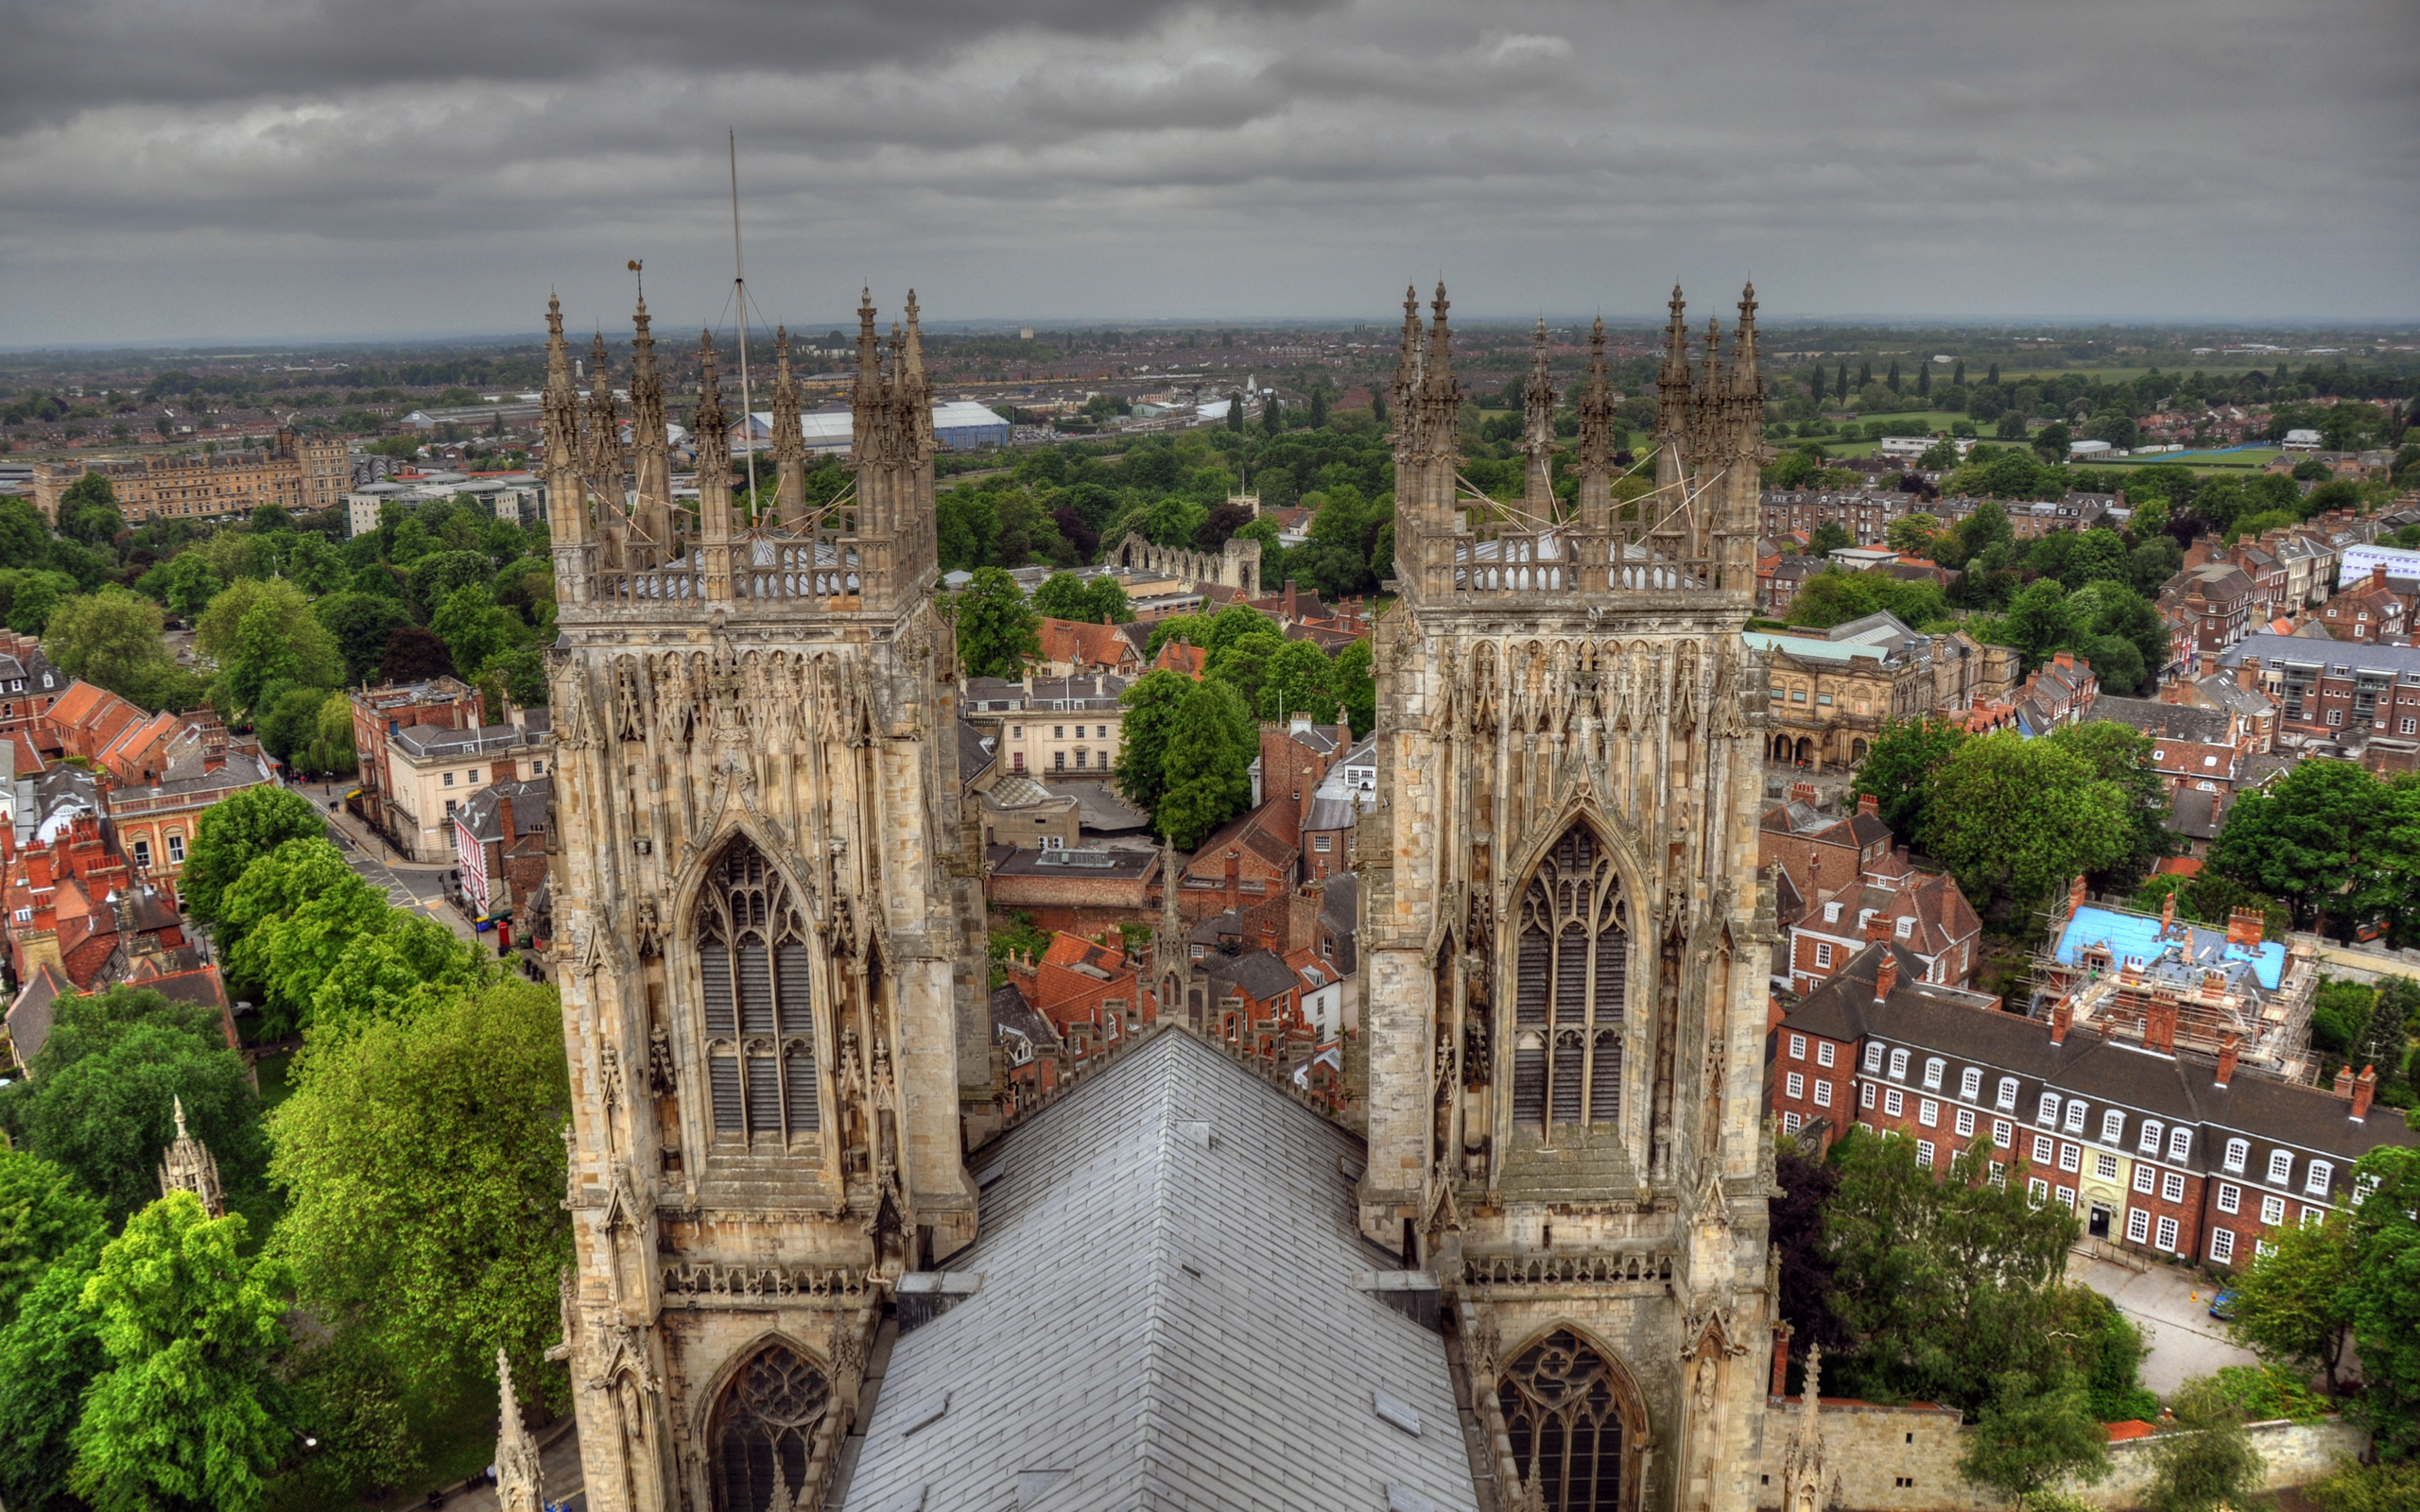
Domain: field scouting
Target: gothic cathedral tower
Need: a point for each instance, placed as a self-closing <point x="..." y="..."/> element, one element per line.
<point x="1566" y="947"/>
<point x="768" y="930"/>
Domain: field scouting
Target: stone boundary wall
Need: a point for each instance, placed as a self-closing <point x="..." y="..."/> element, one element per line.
<point x="1905" y="1459"/>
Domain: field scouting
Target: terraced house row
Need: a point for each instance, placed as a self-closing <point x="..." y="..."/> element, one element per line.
<point x="2157" y="1149"/>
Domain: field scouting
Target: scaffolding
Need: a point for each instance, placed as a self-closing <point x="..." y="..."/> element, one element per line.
<point x="2185" y="987"/>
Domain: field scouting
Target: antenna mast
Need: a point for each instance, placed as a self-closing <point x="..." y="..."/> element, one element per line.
<point x="739" y="282"/>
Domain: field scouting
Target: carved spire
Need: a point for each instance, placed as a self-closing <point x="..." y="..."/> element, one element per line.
<point x="1593" y="452"/>
<point x="912" y="388"/>
<point x="604" y="448"/>
<point x="1745" y="381"/>
<point x="1672" y="396"/>
<point x="1713" y="379"/>
<point x="1407" y="360"/>
<point x="189" y="1166"/>
<point x="869" y="347"/>
<point x="651" y="449"/>
<point x="789" y="443"/>
<point x="566" y="502"/>
<point x="713" y="431"/>
<point x="1814" y="1383"/>
<point x="1537" y="429"/>
<point x="520" y="1479"/>
<point x="1441" y="342"/>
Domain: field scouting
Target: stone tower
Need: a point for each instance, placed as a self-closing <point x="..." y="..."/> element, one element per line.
<point x="769" y="939"/>
<point x="187" y="1165"/>
<point x="1565" y="942"/>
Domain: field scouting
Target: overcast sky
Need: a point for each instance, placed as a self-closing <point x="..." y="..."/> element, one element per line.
<point x="256" y="169"/>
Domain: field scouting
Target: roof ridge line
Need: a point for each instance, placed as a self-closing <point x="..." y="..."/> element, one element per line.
<point x="1162" y="1260"/>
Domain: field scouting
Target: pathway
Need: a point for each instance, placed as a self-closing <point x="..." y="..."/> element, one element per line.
<point x="2172" y="1308"/>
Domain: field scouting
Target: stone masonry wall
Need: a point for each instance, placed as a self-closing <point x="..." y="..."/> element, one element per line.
<point x="1905" y="1459"/>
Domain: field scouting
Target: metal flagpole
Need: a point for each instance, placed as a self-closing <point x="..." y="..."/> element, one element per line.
<point x="739" y="281"/>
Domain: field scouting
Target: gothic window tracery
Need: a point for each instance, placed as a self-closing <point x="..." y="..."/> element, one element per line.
<point x="1571" y="972"/>
<point x="764" y="1429"/>
<point x="1563" y="1411"/>
<point x="756" y="988"/>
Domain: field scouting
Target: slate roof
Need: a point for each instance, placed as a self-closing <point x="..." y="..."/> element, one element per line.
<point x="1262" y="975"/>
<point x="531" y="797"/>
<point x="1012" y="1015"/>
<point x="2179" y="1088"/>
<point x="2195" y="813"/>
<point x="977" y="748"/>
<point x="1214" y="1354"/>
<point x="31" y="1017"/>
<point x="2176" y="721"/>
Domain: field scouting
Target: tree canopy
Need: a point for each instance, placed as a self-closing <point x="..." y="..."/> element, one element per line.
<point x="997" y="630"/>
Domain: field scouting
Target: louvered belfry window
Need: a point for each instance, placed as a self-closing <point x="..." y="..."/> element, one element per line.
<point x="1571" y="966"/>
<point x="757" y="990"/>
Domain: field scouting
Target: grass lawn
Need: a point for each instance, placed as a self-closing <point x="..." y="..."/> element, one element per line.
<point x="274" y="1073"/>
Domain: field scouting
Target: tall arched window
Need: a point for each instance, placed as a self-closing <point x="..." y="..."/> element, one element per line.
<point x="764" y="1429"/>
<point x="1572" y="967"/>
<point x="1563" y="1415"/>
<point x="757" y="983"/>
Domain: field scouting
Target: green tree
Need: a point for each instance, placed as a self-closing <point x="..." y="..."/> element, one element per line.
<point x="1229" y="626"/>
<point x="186" y="1413"/>
<point x="314" y="565"/>
<point x="1243" y="663"/>
<point x="475" y="631"/>
<point x="2210" y="1465"/>
<point x="24" y="537"/>
<point x="996" y="628"/>
<point x="288" y="919"/>
<point x="1902" y="765"/>
<point x="44" y="1216"/>
<point x="1094" y="600"/>
<point x="2122" y="755"/>
<point x="1150" y="703"/>
<point x="2099" y="554"/>
<point x="2354" y="1487"/>
<point x="351" y="1399"/>
<point x="49" y="1353"/>
<point x="398" y="971"/>
<point x="262" y="658"/>
<point x="1171" y="627"/>
<point x="2027" y="1440"/>
<point x="1828" y="538"/>
<point x="1299" y="678"/>
<point x="1207" y="770"/>
<point x="439" y="1246"/>
<point x="289" y="636"/>
<point x="1355" y="691"/>
<point x="101" y="1104"/>
<point x="1950" y="1278"/>
<point x="188" y="584"/>
<point x="2014" y="819"/>
<point x="2382" y="1292"/>
<point x="235" y="831"/>
<point x="2328" y="839"/>
<point x="2290" y="1304"/>
<point x="113" y="638"/>
<point x="330" y="752"/>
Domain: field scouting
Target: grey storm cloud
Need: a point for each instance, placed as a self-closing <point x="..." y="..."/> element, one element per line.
<point x="189" y="170"/>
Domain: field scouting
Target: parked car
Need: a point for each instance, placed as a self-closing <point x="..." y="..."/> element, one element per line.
<point x="2222" y="1306"/>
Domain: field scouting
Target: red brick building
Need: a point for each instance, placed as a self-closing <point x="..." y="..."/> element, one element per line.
<point x="2172" y="1152"/>
<point x="500" y="842"/>
<point x="1091" y="995"/>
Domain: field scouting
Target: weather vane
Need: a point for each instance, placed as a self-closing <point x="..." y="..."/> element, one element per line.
<point x="640" y="268"/>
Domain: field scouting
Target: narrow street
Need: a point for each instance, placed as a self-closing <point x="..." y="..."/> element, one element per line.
<point x="416" y="886"/>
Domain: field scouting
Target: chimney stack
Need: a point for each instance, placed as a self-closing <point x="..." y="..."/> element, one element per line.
<point x="1234" y="885"/>
<point x="1781" y="1358"/>
<point x="2344" y="1081"/>
<point x="2076" y="894"/>
<point x="2227" y="1059"/>
<point x="1886" y="975"/>
<point x="2062" y="1015"/>
<point x="2247" y="674"/>
<point x="2365" y="1086"/>
<point x="1868" y="803"/>
<point x="2244" y="926"/>
<point x="2168" y="915"/>
<point x="2159" y="1023"/>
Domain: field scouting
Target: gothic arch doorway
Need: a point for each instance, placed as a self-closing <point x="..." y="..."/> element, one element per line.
<point x="1781" y="748"/>
<point x="1806" y="751"/>
<point x="1570" y="989"/>
<point x="763" y="1428"/>
<point x="1575" y="1423"/>
<point x="1857" y="749"/>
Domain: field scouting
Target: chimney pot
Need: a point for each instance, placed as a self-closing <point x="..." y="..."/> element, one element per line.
<point x="1868" y="803"/>
<point x="2365" y="1086"/>
<point x="2344" y="1081"/>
